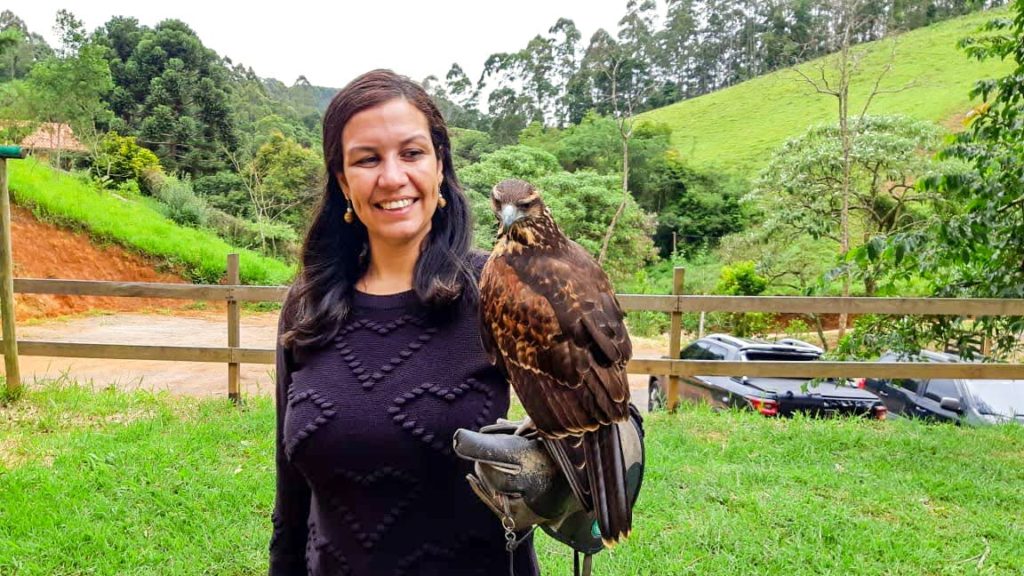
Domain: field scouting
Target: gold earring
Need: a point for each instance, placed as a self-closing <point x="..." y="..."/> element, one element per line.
<point x="349" y="215"/>
<point x="441" y="202"/>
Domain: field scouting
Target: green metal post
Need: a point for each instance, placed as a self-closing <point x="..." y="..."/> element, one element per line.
<point x="7" y="276"/>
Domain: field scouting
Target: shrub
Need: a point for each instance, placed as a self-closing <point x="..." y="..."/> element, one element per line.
<point x="120" y="158"/>
<point x="277" y="240"/>
<point x="180" y="203"/>
<point x="742" y="279"/>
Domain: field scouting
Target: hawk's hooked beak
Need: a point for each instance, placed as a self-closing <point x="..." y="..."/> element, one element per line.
<point x="509" y="214"/>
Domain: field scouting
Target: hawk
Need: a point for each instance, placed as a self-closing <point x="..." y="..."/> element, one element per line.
<point x="552" y="324"/>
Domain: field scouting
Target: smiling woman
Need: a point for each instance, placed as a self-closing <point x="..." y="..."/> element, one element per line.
<point x="391" y="178"/>
<point x="367" y="482"/>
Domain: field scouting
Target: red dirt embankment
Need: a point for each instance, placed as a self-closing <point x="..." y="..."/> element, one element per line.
<point x="42" y="250"/>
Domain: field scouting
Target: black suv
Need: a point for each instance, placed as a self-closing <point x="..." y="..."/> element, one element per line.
<point x="975" y="402"/>
<point x="768" y="396"/>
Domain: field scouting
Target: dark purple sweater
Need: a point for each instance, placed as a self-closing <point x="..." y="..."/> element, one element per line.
<point x="367" y="484"/>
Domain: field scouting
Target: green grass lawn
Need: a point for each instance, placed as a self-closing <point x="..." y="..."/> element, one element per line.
<point x="738" y="128"/>
<point x="130" y="223"/>
<point x="104" y="482"/>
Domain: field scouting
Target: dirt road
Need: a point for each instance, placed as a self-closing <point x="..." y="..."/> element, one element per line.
<point x="186" y="329"/>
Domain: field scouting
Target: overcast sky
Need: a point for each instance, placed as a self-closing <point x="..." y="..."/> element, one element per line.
<point x="331" y="42"/>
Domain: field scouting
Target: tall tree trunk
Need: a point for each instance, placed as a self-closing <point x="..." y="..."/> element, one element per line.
<point x="625" y="191"/>
<point x="844" y="133"/>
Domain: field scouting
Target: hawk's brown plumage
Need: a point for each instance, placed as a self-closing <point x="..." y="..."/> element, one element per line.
<point x="552" y="323"/>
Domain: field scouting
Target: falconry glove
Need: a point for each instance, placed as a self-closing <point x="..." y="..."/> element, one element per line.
<point x="517" y="478"/>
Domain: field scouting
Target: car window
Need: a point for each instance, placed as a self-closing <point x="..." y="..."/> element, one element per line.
<point x="776" y="356"/>
<point x="716" y="352"/>
<point x="911" y="386"/>
<point x="998" y="397"/>
<point x="939" y="389"/>
<point x="692" y="352"/>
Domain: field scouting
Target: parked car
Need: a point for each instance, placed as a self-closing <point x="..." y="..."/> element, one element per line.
<point x="768" y="396"/>
<point x="975" y="402"/>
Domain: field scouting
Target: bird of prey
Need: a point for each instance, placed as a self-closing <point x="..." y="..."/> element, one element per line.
<point x="551" y="322"/>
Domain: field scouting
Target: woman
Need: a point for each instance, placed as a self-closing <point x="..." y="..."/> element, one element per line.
<point x="379" y="360"/>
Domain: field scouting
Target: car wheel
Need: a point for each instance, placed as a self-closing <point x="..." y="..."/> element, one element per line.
<point x="655" y="396"/>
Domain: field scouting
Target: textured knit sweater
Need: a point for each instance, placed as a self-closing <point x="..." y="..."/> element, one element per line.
<point x="367" y="483"/>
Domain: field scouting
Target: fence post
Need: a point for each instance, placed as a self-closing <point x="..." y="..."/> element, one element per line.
<point x="234" y="328"/>
<point x="675" y="335"/>
<point x="13" y="388"/>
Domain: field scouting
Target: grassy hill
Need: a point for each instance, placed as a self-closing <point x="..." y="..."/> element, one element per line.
<point x="132" y="223"/>
<point x="737" y="129"/>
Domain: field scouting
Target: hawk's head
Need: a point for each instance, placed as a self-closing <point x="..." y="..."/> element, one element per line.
<point x="517" y="203"/>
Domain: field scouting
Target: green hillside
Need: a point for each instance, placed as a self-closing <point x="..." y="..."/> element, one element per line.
<point x="736" y="129"/>
<point x="131" y="223"/>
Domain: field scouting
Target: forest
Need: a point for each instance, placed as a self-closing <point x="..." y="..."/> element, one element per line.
<point x="867" y="203"/>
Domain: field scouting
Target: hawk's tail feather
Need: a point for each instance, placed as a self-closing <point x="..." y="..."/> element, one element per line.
<point x="606" y="467"/>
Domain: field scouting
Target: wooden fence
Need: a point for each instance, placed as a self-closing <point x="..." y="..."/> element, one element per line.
<point x="674" y="305"/>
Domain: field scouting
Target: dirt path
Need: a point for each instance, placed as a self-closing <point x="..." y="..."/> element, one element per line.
<point x="187" y="329"/>
<point x="190" y="378"/>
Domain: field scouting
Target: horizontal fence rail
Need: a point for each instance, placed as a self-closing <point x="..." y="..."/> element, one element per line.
<point x="642" y="365"/>
<point x="146" y="352"/>
<point x="629" y="302"/>
<point x="674" y="304"/>
<point x="820" y="305"/>
<point x="151" y="290"/>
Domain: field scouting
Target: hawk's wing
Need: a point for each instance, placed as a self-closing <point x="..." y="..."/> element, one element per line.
<point x="554" y="322"/>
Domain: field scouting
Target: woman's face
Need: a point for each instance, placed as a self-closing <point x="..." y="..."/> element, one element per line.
<point x="391" y="173"/>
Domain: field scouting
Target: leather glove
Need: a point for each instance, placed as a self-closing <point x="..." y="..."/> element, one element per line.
<point x="521" y="483"/>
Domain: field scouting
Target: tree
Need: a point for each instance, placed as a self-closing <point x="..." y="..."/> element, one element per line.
<point x="833" y="77"/>
<point x="695" y="209"/>
<point x="171" y="92"/>
<point x="620" y="73"/>
<point x="822" y="186"/>
<point x="456" y="99"/>
<point x="282" y="181"/>
<point x="23" y="48"/>
<point x="973" y="249"/>
<point x="69" y="86"/>
<point x="509" y="112"/>
<point x="565" y="44"/>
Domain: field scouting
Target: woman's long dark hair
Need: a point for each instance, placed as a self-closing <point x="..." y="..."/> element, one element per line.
<point x="335" y="254"/>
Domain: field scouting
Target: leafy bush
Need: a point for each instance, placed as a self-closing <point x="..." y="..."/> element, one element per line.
<point x="178" y="201"/>
<point x="742" y="279"/>
<point x="120" y="158"/>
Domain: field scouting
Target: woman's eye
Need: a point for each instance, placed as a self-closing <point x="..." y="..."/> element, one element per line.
<point x="413" y="153"/>
<point x="366" y="160"/>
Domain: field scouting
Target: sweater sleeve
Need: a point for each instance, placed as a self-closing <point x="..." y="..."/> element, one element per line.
<point x="291" y="508"/>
